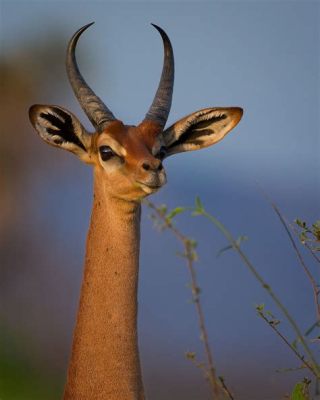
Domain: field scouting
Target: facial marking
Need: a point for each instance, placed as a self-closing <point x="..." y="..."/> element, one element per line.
<point x="106" y="140"/>
<point x="122" y="152"/>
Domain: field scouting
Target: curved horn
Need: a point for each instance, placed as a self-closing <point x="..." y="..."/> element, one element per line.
<point x="160" y="108"/>
<point x="97" y="112"/>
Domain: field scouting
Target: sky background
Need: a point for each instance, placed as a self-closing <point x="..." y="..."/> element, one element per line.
<point x="260" y="55"/>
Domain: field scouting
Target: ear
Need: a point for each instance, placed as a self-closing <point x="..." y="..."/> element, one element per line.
<point x="60" y="128"/>
<point x="200" y="129"/>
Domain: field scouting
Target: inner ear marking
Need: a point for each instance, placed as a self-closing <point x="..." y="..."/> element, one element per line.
<point x="59" y="123"/>
<point x="197" y="129"/>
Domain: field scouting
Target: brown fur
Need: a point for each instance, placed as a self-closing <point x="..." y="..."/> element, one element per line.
<point x="105" y="358"/>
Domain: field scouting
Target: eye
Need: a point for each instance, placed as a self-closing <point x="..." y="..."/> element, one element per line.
<point x="162" y="152"/>
<point x="106" y="153"/>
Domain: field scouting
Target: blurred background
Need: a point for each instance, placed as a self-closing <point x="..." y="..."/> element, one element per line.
<point x="263" y="56"/>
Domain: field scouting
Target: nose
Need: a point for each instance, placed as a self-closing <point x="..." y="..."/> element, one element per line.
<point x="152" y="165"/>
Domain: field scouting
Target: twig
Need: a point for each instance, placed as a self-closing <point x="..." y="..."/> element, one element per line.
<point x="227" y="234"/>
<point x="313" y="283"/>
<point x="311" y="250"/>
<point x="223" y="383"/>
<point x="284" y="339"/>
<point x="190" y="257"/>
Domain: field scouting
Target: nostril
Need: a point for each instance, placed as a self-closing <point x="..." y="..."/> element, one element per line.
<point x="146" y="166"/>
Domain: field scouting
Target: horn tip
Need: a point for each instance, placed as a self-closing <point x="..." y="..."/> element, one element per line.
<point x="161" y="31"/>
<point x="157" y="27"/>
<point x="85" y="27"/>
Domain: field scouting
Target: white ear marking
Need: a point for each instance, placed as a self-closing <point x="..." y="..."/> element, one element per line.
<point x="201" y="129"/>
<point x="60" y="128"/>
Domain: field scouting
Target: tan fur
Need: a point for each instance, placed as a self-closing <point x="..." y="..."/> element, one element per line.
<point x="105" y="359"/>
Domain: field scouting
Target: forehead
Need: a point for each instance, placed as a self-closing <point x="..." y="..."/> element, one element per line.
<point x="129" y="137"/>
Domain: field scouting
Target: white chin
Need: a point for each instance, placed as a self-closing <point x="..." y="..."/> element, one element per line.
<point x="148" y="189"/>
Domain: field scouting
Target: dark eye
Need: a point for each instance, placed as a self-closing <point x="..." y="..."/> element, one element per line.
<point x="162" y="152"/>
<point x="106" y="153"/>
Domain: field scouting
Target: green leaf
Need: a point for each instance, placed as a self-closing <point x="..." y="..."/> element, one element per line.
<point x="175" y="211"/>
<point x="301" y="391"/>
<point x="238" y="242"/>
<point x="224" y="249"/>
<point x="194" y="256"/>
<point x="260" y="307"/>
<point x="199" y="209"/>
<point x="196" y="213"/>
<point x="190" y="355"/>
<point x="162" y="209"/>
<point x="300" y="223"/>
<point x="193" y="243"/>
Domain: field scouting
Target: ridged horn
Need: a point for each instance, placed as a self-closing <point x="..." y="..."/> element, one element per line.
<point x="97" y="112"/>
<point x="160" y="108"/>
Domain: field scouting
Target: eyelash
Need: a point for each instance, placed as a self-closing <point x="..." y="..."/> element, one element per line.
<point x="106" y="153"/>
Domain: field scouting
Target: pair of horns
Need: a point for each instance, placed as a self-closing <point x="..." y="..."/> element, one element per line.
<point x="97" y="112"/>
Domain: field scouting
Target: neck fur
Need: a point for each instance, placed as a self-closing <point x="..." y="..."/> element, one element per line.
<point x="105" y="358"/>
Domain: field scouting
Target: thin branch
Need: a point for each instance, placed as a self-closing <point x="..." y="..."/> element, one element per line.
<point x="190" y="258"/>
<point x="311" y="250"/>
<point x="309" y="330"/>
<point x="313" y="283"/>
<point x="223" y="383"/>
<point x="269" y="290"/>
<point x="313" y="253"/>
<point x="284" y="339"/>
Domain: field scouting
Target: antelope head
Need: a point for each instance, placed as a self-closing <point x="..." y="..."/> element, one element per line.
<point x="129" y="158"/>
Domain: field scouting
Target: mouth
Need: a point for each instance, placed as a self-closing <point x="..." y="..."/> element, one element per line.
<point x="148" y="188"/>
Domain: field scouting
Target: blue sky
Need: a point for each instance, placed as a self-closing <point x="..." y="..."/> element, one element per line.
<point x="263" y="56"/>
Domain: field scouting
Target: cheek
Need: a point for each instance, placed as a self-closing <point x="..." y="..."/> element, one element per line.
<point x="112" y="166"/>
<point x="119" y="180"/>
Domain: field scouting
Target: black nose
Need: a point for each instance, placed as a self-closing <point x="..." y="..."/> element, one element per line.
<point x="148" y="166"/>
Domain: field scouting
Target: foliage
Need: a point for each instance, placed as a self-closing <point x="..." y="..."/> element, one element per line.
<point x="309" y="235"/>
<point x="300" y="347"/>
<point x="301" y="390"/>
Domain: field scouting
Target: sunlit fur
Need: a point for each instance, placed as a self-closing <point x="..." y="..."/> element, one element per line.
<point x="133" y="146"/>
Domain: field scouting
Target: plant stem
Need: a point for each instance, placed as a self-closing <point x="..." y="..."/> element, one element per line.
<point x="217" y="389"/>
<point x="313" y="283"/>
<point x="301" y="358"/>
<point x="305" y="243"/>
<point x="201" y="319"/>
<point x="269" y="290"/>
<point x="223" y="383"/>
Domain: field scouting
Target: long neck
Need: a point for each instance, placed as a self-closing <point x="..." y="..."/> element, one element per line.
<point x="105" y="358"/>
